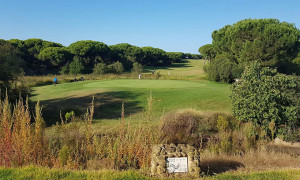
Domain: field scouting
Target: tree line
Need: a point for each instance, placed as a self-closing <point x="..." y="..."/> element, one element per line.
<point x="263" y="57"/>
<point x="40" y="57"/>
<point x="271" y="42"/>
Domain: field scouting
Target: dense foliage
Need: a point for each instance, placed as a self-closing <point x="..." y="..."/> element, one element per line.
<point x="10" y="63"/>
<point x="273" y="43"/>
<point x="155" y="57"/>
<point x="10" y="68"/>
<point x="76" y="66"/>
<point x="57" y="56"/>
<point x="42" y="57"/>
<point x="263" y="96"/>
<point x="222" y="69"/>
<point x="127" y="54"/>
<point x="175" y="56"/>
<point x="207" y="51"/>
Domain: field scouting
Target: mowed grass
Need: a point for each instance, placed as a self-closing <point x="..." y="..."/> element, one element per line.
<point x="37" y="173"/>
<point x="109" y="95"/>
<point x="188" y="68"/>
<point x="58" y="174"/>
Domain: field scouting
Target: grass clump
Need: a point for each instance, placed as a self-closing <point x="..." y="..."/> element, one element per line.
<point x="39" y="173"/>
<point x="188" y="126"/>
<point x="22" y="142"/>
<point x="266" y="175"/>
<point x="76" y="145"/>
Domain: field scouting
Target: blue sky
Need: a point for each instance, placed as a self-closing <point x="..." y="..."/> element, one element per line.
<point x="172" y="25"/>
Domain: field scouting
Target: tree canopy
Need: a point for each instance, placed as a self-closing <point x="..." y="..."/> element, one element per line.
<point x="89" y="48"/>
<point x="154" y="57"/>
<point x="126" y="53"/>
<point x="10" y="63"/>
<point x="43" y="57"/>
<point x="269" y="41"/>
<point x="35" y="46"/>
<point x="175" y="56"/>
<point x="207" y="51"/>
<point x="57" y="56"/>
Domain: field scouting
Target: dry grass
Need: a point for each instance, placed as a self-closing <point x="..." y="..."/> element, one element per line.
<point x="77" y="145"/>
<point x="189" y="126"/>
<point x="252" y="161"/>
<point x="32" y="81"/>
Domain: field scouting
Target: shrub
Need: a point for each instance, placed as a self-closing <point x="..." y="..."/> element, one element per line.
<point x="137" y="68"/>
<point x="76" y="145"/>
<point x="233" y="137"/>
<point x="223" y="70"/>
<point x="100" y="68"/>
<point x="188" y="126"/>
<point x="116" y="67"/>
<point x="76" y="67"/>
<point x="175" y="56"/>
<point x="65" y="69"/>
<point x="21" y="142"/>
<point x="261" y="97"/>
<point x="69" y="115"/>
<point x="63" y="155"/>
<point x="157" y="75"/>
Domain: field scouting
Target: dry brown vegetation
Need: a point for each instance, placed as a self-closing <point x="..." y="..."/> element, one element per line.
<point x="256" y="160"/>
<point x="225" y="144"/>
<point x="21" y="142"/>
<point x="188" y="126"/>
<point x="74" y="145"/>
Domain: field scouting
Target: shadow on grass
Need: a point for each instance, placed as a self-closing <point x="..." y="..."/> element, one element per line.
<point x="216" y="166"/>
<point x="107" y="105"/>
<point x="184" y="63"/>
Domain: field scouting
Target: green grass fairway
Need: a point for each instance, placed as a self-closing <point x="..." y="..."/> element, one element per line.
<point x="109" y="95"/>
<point x="188" y="68"/>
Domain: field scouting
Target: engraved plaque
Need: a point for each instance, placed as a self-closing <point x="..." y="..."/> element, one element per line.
<point x="177" y="165"/>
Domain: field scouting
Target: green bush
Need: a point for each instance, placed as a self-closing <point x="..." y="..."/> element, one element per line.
<point x="69" y="115"/>
<point x="262" y="96"/>
<point x="64" y="155"/>
<point x="76" y="67"/>
<point x="223" y="70"/>
<point x="137" y="68"/>
<point x="100" y="68"/>
<point x="116" y="67"/>
<point x="65" y="69"/>
<point x="175" y="56"/>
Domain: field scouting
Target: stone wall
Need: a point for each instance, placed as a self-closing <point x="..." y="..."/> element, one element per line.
<point x="161" y="152"/>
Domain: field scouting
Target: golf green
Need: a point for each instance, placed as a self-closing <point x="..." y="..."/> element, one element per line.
<point x="109" y="95"/>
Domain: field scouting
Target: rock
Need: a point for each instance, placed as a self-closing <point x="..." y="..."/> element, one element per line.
<point x="178" y="149"/>
<point x="162" y="151"/>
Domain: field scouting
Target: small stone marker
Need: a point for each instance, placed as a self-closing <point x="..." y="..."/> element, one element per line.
<point x="175" y="160"/>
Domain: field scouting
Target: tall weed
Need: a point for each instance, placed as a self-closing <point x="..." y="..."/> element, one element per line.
<point x="22" y="142"/>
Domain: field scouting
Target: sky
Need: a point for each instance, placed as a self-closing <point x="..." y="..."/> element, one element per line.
<point x="172" y="25"/>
